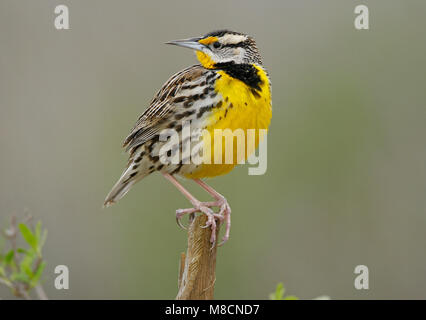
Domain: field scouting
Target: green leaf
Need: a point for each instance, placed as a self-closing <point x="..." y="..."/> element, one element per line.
<point x="38" y="273"/>
<point x="26" y="264"/>
<point x="279" y="292"/>
<point x="21" y="277"/>
<point x="8" y="258"/>
<point x="22" y="250"/>
<point x="28" y="236"/>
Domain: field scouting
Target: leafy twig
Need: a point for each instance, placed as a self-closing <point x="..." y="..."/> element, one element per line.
<point x="21" y="269"/>
<point x="280" y="291"/>
<point x="279" y="294"/>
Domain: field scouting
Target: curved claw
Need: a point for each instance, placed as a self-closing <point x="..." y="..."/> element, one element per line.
<point x="224" y="215"/>
<point x="224" y="240"/>
<point x="179" y="223"/>
<point x="180" y="213"/>
<point x="227" y="216"/>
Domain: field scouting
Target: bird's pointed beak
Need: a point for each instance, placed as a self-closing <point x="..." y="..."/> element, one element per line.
<point x="188" y="43"/>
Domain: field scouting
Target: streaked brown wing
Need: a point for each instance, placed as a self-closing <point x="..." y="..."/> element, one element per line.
<point x="161" y="107"/>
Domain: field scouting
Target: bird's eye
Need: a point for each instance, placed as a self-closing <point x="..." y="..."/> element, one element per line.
<point x="216" y="45"/>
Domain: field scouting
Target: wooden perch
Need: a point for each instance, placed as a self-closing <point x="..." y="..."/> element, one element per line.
<point x="197" y="274"/>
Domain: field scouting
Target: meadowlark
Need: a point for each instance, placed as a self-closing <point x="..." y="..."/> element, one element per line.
<point x="229" y="89"/>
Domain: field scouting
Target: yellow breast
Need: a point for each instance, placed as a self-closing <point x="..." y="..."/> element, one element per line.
<point x="242" y="107"/>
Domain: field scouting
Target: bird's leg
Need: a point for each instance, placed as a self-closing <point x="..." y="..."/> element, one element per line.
<point x="222" y="203"/>
<point x="199" y="206"/>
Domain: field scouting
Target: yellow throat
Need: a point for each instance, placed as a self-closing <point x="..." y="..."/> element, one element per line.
<point x="242" y="107"/>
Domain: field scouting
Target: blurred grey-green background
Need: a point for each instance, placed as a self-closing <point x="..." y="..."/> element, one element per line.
<point x="346" y="174"/>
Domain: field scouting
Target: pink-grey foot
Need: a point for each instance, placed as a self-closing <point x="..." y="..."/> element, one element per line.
<point x="224" y="208"/>
<point x="204" y="207"/>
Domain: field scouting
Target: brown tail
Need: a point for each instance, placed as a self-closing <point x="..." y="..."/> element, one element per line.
<point x="122" y="186"/>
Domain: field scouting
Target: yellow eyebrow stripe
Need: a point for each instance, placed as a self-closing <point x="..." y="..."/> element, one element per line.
<point x="208" y="40"/>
